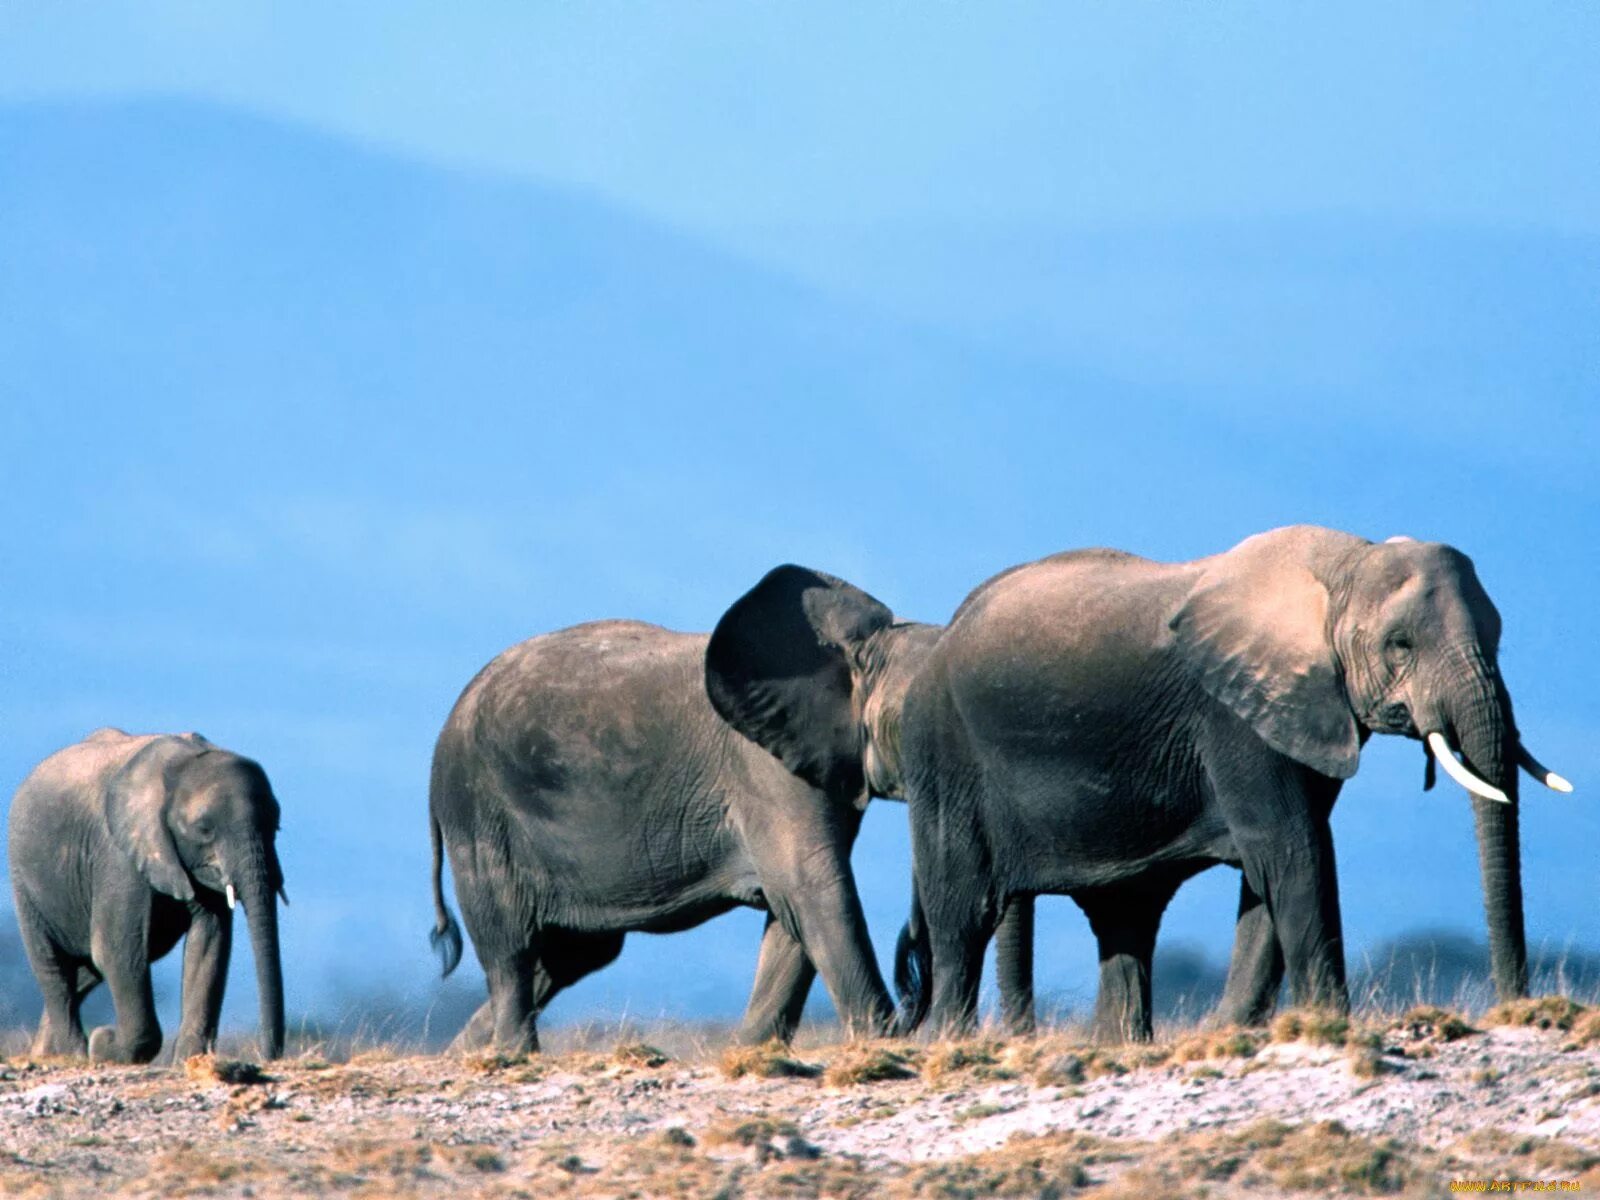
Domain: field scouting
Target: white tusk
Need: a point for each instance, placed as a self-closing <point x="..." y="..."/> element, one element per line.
<point x="1530" y="764"/>
<point x="1447" y="760"/>
<point x="228" y="891"/>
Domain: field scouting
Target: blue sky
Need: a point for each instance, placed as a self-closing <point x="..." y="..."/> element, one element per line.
<point x="345" y="347"/>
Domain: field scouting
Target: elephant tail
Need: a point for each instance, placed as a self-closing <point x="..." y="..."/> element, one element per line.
<point x="913" y="969"/>
<point x="445" y="937"/>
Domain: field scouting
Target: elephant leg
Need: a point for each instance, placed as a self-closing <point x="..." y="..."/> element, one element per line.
<point x="1301" y="892"/>
<point x="1013" y="964"/>
<point x="960" y="909"/>
<point x="1125" y="920"/>
<point x="1277" y="812"/>
<point x="120" y="946"/>
<point x="814" y="896"/>
<point x="60" y="1030"/>
<point x="513" y="992"/>
<point x="783" y="978"/>
<point x="565" y="958"/>
<point x="959" y="929"/>
<point x="206" y="949"/>
<point x="1255" y="972"/>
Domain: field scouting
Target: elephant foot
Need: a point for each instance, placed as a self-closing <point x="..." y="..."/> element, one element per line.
<point x="186" y="1047"/>
<point x="761" y="1033"/>
<point x="1023" y="1027"/>
<point x="105" y="1045"/>
<point x="51" y="1042"/>
<point x="476" y="1034"/>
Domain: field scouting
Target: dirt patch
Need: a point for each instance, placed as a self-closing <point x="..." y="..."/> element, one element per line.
<point x="1312" y="1108"/>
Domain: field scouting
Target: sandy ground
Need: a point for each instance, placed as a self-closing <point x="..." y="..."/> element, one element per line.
<point x="1405" y="1109"/>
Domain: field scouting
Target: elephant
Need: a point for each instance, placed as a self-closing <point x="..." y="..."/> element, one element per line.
<point x="1102" y="726"/>
<point x="121" y="844"/>
<point x="585" y="785"/>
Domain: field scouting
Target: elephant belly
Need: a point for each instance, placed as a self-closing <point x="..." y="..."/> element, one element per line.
<point x="1062" y="822"/>
<point x="622" y="866"/>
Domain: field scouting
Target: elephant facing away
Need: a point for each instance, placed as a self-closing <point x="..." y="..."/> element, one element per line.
<point x="1103" y="726"/>
<point x="585" y="786"/>
<point x="119" y="846"/>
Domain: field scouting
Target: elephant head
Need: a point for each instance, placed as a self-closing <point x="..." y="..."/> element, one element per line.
<point x="189" y="813"/>
<point x="1318" y="639"/>
<point x="815" y="671"/>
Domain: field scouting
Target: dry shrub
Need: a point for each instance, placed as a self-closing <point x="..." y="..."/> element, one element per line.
<point x="749" y="1132"/>
<point x="1065" y="1062"/>
<point x="1320" y="1027"/>
<point x="866" y="1063"/>
<point x="1218" y="1043"/>
<point x="1586" y="1028"/>
<point x="1030" y="1167"/>
<point x="979" y="1058"/>
<point x="208" y="1068"/>
<point x="1540" y="1012"/>
<point x="1529" y="1156"/>
<point x="188" y="1169"/>
<point x="511" y="1068"/>
<point x="1321" y="1157"/>
<point x="768" y="1061"/>
<point x="640" y="1054"/>
<point x="1427" y="1021"/>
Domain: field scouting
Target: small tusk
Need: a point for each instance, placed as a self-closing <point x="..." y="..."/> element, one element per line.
<point x="1530" y="764"/>
<point x="1447" y="760"/>
<point x="283" y="895"/>
<point x="228" y="891"/>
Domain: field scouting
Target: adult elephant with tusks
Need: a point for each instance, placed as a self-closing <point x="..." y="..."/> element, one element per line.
<point x="1103" y="726"/>
<point x="586" y="785"/>
<point x="119" y="846"/>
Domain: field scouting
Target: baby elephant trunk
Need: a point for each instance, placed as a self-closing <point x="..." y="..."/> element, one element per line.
<point x="261" y="908"/>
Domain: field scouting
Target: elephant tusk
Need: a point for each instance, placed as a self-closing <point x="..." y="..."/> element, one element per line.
<point x="1447" y="760"/>
<point x="1530" y="764"/>
<point x="228" y="891"/>
<point x="283" y="895"/>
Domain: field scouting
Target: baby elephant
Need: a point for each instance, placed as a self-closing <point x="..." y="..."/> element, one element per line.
<point x="121" y="843"/>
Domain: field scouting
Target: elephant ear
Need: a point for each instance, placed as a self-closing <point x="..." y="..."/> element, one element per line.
<point x="780" y="670"/>
<point x="136" y="813"/>
<point x="1255" y="631"/>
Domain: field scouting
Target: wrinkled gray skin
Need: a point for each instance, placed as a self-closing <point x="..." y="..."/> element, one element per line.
<point x="1103" y="726"/>
<point x="119" y="846"/>
<point x="584" y="786"/>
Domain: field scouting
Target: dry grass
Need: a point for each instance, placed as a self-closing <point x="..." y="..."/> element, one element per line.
<point x="1218" y="1044"/>
<point x="1428" y="1022"/>
<point x="1531" y="1157"/>
<point x="640" y="1054"/>
<point x="1318" y="1027"/>
<point x="1539" y="1012"/>
<point x="770" y="1060"/>
<point x="756" y="1141"/>
<point x="208" y="1068"/>
<point x="868" y="1062"/>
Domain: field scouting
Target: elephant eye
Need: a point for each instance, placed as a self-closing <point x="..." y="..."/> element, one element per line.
<point x="201" y="828"/>
<point x="1397" y="649"/>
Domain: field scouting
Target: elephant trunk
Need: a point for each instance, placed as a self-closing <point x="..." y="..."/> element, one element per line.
<point x="257" y="891"/>
<point x="1486" y="735"/>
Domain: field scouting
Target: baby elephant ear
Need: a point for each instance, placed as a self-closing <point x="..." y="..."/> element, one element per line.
<point x="136" y="811"/>
<point x="1254" y="629"/>
<point x="779" y="670"/>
